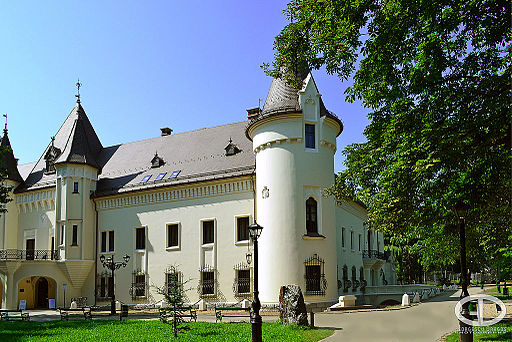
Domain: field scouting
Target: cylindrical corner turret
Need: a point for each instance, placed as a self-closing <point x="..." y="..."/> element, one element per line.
<point x="294" y="140"/>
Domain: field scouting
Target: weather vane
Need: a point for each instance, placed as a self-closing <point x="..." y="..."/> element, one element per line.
<point x="78" y="85"/>
<point x="5" y="116"/>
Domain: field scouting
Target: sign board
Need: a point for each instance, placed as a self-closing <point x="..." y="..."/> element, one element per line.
<point x="64" y="287"/>
<point x="51" y="303"/>
<point x="23" y="304"/>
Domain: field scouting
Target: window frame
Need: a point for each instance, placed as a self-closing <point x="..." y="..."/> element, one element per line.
<point x="62" y="235"/>
<point x="76" y="188"/>
<point x="309" y="220"/>
<point x="178" y="237"/>
<point x="308" y="134"/>
<point x="202" y="231"/>
<point x="107" y="238"/>
<point x="239" y="241"/>
<point x="136" y="246"/>
<point x="74" y="235"/>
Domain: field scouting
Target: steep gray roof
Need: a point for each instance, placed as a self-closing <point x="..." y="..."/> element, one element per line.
<point x="78" y="142"/>
<point x="8" y="161"/>
<point x="199" y="156"/>
<point x="283" y="98"/>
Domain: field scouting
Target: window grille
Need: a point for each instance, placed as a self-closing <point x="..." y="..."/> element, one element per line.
<point x="316" y="284"/>
<point x="242" y="282"/>
<point x="104" y="286"/>
<point x="206" y="287"/>
<point x="139" y="286"/>
<point x="355" y="282"/>
<point x="346" y="283"/>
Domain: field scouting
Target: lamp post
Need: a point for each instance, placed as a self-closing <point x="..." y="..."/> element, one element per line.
<point x="466" y="331"/>
<point x="112" y="266"/>
<point x="255" y="232"/>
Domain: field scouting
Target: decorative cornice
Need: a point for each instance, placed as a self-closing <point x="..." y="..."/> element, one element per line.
<point x="270" y="143"/>
<point x="33" y="200"/>
<point x="175" y="194"/>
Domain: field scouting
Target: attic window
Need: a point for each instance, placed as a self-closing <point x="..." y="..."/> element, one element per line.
<point x="160" y="176"/>
<point x="157" y="161"/>
<point x="231" y="149"/>
<point x="145" y="179"/>
<point x="50" y="157"/>
<point x="175" y="174"/>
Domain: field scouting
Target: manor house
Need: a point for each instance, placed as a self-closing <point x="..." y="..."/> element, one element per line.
<point x="187" y="200"/>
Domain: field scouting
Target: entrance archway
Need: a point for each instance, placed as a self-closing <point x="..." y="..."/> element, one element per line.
<point x="41" y="300"/>
<point x="36" y="291"/>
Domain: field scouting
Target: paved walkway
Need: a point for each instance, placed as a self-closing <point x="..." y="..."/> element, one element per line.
<point x="426" y="322"/>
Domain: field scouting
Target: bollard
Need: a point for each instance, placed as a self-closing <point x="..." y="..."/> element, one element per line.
<point x="311" y="319"/>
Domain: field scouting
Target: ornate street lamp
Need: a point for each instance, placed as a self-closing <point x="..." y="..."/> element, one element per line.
<point x="254" y="233"/>
<point x="466" y="331"/>
<point x="112" y="266"/>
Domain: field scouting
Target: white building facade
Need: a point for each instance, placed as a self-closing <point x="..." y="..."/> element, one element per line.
<point x="186" y="200"/>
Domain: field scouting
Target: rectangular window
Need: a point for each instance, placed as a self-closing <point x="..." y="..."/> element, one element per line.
<point x="172" y="235"/>
<point x="207" y="283"/>
<point x="173" y="283"/>
<point x="313" y="277"/>
<point x="106" y="287"/>
<point x="351" y="240"/>
<point x="75" y="187"/>
<point x="74" y="241"/>
<point x="378" y="242"/>
<point x="62" y="229"/>
<point x="140" y="285"/>
<point x="111" y="241"/>
<point x="343" y="237"/>
<point x="243" y="281"/>
<point x="242" y="228"/>
<point x="140" y="238"/>
<point x="208" y="231"/>
<point x="103" y="242"/>
<point x="160" y="176"/>
<point x="310" y="136"/>
<point x="359" y="242"/>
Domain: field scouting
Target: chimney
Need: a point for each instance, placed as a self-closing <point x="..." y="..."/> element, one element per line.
<point x="166" y="131"/>
<point x="252" y="113"/>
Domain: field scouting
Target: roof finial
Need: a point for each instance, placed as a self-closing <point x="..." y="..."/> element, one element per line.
<point x="230" y="140"/>
<point x="5" y="129"/>
<point x="78" y="85"/>
<point x="259" y="105"/>
<point x="53" y="140"/>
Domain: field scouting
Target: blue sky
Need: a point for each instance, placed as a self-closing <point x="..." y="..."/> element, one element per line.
<point x="143" y="65"/>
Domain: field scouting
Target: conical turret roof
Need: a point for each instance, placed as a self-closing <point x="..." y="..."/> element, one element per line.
<point x="82" y="145"/>
<point x="8" y="161"/>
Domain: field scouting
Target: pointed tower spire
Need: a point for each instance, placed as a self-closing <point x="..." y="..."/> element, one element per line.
<point x="8" y="161"/>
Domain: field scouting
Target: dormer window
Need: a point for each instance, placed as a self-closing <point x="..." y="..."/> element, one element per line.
<point x="231" y="149"/>
<point x="50" y="158"/>
<point x="157" y="161"/>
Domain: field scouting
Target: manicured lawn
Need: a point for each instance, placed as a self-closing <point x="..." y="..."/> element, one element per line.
<point x="494" y="292"/>
<point x="99" y="330"/>
<point x="495" y="333"/>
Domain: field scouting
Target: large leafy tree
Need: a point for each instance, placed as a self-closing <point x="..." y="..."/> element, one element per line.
<point x="436" y="75"/>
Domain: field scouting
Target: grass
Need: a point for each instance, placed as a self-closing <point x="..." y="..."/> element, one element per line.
<point x="494" y="292"/>
<point x="105" y="330"/>
<point x="496" y="333"/>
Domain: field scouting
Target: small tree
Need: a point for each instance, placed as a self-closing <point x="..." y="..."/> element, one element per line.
<point x="174" y="294"/>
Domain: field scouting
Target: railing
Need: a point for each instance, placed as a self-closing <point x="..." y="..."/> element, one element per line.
<point x="373" y="254"/>
<point x="28" y="254"/>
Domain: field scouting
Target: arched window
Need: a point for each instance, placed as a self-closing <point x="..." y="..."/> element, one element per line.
<point x="311" y="217"/>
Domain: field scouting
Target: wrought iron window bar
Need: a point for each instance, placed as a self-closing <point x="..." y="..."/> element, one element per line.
<point x="206" y="286"/>
<point x="29" y="254"/>
<point x="373" y="254"/>
<point x="316" y="284"/>
<point x="104" y="292"/>
<point x="242" y="285"/>
<point x="139" y="289"/>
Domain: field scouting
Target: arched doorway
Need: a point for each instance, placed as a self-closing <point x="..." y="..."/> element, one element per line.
<point x="41" y="300"/>
<point x="36" y="290"/>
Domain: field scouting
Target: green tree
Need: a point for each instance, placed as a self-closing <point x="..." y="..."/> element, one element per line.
<point x="436" y="76"/>
<point x="174" y="293"/>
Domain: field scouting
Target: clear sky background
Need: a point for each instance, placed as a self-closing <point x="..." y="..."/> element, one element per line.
<point x="143" y="65"/>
